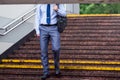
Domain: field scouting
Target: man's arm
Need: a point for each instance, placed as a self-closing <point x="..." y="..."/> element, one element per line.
<point x="61" y="10"/>
<point x="37" y="20"/>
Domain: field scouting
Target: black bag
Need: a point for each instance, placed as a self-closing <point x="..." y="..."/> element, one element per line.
<point x="61" y="22"/>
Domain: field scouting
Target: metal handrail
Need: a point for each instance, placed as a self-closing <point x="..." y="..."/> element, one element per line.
<point x="19" y="21"/>
<point x="21" y="18"/>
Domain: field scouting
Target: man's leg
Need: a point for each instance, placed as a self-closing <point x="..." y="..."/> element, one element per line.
<point x="56" y="61"/>
<point x="44" y="40"/>
<point x="55" y="39"/>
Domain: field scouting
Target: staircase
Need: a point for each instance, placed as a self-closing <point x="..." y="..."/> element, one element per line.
<point x="90" y="50"/>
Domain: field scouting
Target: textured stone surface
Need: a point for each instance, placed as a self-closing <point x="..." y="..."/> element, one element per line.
<point x="94" y="41"/>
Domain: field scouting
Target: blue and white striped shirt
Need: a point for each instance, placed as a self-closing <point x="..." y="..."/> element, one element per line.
<point x="41" y="16"/>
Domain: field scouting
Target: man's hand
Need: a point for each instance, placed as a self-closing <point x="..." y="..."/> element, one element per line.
<point x="38" y="36"/>
<point x="55" y="8"/>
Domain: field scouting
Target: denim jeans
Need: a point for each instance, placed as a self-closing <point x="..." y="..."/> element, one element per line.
<point x="47" y="34"/>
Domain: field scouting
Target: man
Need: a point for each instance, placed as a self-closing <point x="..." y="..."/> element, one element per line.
<point x="46" y="29"/>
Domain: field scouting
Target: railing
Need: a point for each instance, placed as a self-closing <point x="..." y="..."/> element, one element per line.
<point x="15" y="23"/>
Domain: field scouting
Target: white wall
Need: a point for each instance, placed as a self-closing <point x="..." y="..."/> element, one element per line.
<point x="72" y="8"/>
<point x="14" y="10"/>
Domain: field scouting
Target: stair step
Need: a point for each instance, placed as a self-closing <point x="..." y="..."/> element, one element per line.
<point x="90" y="50"/>
<point x="37" y="77"/>
<point x="94" y="24"/>
<point x="77" y="52"/>
<point x="61" y="61"/>
<point x="80" y="43"/>
<point x="107" y="39"/>
<point x="93" y="20"/>
<point x="70" y="56"/>
<point x="75" y="47"/>
<point x="68" y="67"/>
<point x="65" y="73"/>
<point x="99" y="27"/>
<point x="89" y="17"/>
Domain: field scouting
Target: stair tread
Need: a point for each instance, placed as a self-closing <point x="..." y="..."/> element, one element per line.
<point x="65" y="61"/>
<point x="93" y="39"/>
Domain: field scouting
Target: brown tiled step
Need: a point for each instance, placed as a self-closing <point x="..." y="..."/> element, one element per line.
<point x="70" y="66"/>
<point x="62" y="61"/>
<point x="109" y="33"/>
<point x="84" y="33"/>
<point x="81" y="35"/>
<point x="93" y="21"/>
<point x="75" y="47"/>
<point x="99" y="27"/>
<point x="106" y="39"/>
<point x="92" y="38"/>
<point x="89" y="32"/>
<point x="64" y="67"/>
<point x="66" y="56"/>
<point x="93" y="32"/>
<point x="94" y="24"/>
<point x="80" y="43"/>
<point x="97" y="38"/>
<point x="21" y="71"/>
<point x="79" y="58"/>
<point x="88" y="35"/>
<point x="96" y="30"/>
<point x="37" y="77"/>
<point x="95" y="18"/>
<point x="82" y="18"/>
<point x="88" y="52"/>
<point x="65" y="73"/>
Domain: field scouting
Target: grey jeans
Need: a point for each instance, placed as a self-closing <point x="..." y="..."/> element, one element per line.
<point x="47" y="34"/>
